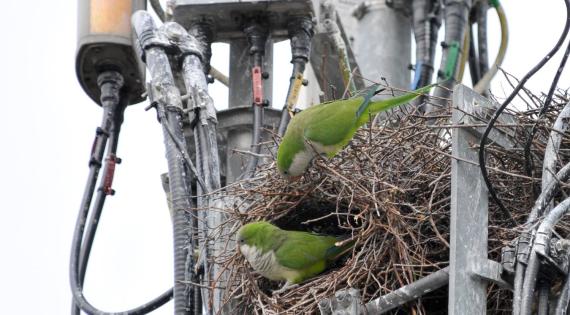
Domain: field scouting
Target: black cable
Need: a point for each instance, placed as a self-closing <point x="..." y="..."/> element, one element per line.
<point x="257" y="37"/>
<point x="499" y="110"/>
<point x="482" y="9"/>
<point x="473" y="59"/>
<point x="110" y="83"/>
<point x="547" y="101"/>
<point x="99" y="200"/>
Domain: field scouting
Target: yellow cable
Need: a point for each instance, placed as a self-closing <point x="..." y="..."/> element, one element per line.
<point x="464" y="54"/>
<point x="483" y="84"/>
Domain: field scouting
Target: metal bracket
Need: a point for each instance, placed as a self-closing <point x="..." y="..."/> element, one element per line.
<point x="345" y="302"/>
<point x="491" y="271"/>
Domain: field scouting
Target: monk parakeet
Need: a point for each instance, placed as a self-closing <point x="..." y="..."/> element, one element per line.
<point x="293" y="256"/>
<point x="326" y="128"/>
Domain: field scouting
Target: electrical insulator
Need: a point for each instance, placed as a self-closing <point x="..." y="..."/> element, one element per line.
<point x="104" y="43"/>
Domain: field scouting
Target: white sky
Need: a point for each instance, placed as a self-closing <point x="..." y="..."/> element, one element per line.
<point x="47" y="125"/>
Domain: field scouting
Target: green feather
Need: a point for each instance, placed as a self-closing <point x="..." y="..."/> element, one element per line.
<point x="304" y="254"/>
<point x="330" y="126"/>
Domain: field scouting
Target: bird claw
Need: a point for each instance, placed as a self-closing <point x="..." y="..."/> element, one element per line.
<point x="284" y="288"/>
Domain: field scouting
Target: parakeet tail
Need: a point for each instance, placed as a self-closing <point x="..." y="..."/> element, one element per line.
<point x="379" y="106"/>
<point x="335" y="252"/>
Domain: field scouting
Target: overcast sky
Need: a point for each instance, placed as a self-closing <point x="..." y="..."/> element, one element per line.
<point x="47" y="125"/>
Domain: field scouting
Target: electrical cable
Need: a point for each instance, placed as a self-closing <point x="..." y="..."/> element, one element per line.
<point x="540" y="245"/>
<point x="540" y="204"/>
<point x="499" y="110"/>
<point x="464" y="54"/>
<point x="482" y="46"/>
<point x="551" y="158"/>
<point x="483" y="85"/>
<point x="257" y="37"/>
<point x="110" y="83"/>
<point x="99" y="200"/>
<point x="473" y="59"/>
<point x="563" y="298"/>
<point x="426" y="21"/>
<point x="547" y="101"/>
<point x="543" y="293"/>
<point x="300" y="32"/>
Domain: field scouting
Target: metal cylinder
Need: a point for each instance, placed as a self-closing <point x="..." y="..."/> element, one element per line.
<point x="104" y="43"/>
<point x="386" y="51"/>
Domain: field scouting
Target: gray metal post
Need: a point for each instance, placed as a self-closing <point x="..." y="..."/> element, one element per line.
<point x="468" y="246"/>
<point x="386" y="51"/>
<point x="240" y="96"/>
<point x="470" y="270"/>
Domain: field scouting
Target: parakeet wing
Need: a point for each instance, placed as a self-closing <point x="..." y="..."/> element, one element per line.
<point x="301" y="250"/>
<point x="331" y="124"/>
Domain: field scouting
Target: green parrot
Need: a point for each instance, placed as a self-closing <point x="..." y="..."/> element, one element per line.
<point x="328" y="127"/>
<point x="293" y="256"/>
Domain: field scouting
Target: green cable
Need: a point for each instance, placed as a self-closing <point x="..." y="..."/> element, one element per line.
<point x="494" y="3"/>
<point x="452" y="57"/>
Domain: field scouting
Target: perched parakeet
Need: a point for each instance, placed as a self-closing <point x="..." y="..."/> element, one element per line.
<point x="328" y="127"/>
<point x="293" y="256"/>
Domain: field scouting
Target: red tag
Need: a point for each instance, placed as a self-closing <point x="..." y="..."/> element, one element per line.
<point x="108" y="181"/>
<point x="257" y="86"/>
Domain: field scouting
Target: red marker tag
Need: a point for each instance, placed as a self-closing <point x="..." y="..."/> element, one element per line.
<point x="257" y="86"/>
<point x="108" y="181"/>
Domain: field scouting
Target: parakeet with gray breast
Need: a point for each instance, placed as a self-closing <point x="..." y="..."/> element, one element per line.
<point x="293" y="256"/>
<point x="328" y="127"/>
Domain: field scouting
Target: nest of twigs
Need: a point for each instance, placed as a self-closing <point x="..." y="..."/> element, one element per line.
<point x="389" y="190"/>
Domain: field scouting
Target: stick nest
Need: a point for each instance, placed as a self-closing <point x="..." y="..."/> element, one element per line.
<point x="390" y="191"/>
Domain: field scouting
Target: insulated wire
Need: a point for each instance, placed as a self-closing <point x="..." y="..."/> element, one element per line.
<point x="76" y="249"/>
<point x="483" y="85"/>
<point x="464" y="53"/>
<point x="499" y="110"/>
<point x="547" y="101"/>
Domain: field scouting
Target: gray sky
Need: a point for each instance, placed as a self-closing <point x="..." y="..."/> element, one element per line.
<point x="46" y="129"/>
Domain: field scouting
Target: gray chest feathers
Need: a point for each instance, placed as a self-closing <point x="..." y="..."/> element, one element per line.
<point x="266" y="263"/>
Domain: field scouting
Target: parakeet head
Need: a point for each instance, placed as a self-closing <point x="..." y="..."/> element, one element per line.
<point x="292" y="158"/>
<point x="253" y="234"/>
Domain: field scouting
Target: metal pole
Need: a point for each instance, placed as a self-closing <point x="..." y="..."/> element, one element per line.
<point x="468" y="224"/>
<point x="386" y="52"/>
<point x="409" y="292"/>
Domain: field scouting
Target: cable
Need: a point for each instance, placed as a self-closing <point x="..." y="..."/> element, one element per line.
<point x="564" y="298"/>
<point x="100" y="199"/>
<point x="300" y="34"/>
<point x="540" y="245"/>
<point x="257" y="38"/>
<point x="464" y="53"/>
<point x="547" y="101"/>
<point x="473" y="59"/>
<point x="540" y="204"/>
<point x="482" y="48"/>
<point x="483" y="85"/>
<point x="553" y="145"/>
<point x="110" y="83"/>
<point x="499" y="110"/>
